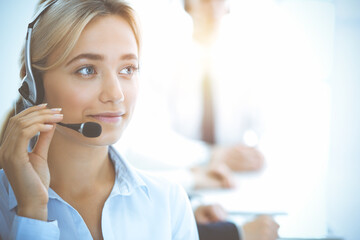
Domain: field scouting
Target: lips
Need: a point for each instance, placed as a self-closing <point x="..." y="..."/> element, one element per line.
<point x="108" y="117"/>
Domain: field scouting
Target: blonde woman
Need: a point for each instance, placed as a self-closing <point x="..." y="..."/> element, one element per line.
<point x="69" y="185"/>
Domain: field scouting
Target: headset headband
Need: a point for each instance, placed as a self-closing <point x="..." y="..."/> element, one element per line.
<point x="28" y="89"/>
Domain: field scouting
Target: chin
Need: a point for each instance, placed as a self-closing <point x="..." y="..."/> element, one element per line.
<point x="109" y="139"/>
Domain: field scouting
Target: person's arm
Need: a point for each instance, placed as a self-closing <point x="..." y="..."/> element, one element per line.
<point x="13" y="226"/>
<point x="238" y="157"/>
<point x="28" y="173"/>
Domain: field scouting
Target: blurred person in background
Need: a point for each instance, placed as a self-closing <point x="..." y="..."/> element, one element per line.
<point x="196" y="149"/>
<point x="192" y="155"/>
<point x="198" y="110"/>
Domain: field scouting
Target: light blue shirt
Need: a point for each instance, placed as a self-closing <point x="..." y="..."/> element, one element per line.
<point x="139" y="207"/>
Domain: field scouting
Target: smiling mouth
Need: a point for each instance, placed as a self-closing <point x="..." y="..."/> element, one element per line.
<point x="108" y="117"/>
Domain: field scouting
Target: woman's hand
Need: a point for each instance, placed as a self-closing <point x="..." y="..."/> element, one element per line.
<point x="28" y="173"/>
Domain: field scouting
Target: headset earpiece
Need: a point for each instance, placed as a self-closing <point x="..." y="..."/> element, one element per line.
<point x="24" y="90"/>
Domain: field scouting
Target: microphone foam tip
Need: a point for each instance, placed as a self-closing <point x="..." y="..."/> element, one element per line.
<point x="91" y="129"/>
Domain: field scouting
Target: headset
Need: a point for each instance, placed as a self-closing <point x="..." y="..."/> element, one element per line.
<point x="32" y="91"/>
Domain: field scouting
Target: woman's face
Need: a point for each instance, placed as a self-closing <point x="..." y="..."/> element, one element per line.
<point x="98" y="82"/>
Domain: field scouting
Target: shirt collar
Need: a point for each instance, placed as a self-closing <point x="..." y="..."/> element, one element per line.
<point x="127" y="180"/>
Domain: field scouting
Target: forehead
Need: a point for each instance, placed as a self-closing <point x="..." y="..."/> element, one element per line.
<point x="107" y="33"/>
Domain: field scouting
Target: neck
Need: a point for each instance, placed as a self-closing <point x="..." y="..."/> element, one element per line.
<point x="77" y="168"/>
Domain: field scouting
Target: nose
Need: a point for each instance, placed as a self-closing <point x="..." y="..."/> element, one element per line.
<point x="111" y="89"/>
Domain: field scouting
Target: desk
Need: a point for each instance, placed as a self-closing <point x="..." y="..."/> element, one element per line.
<point x="260" y="194"/>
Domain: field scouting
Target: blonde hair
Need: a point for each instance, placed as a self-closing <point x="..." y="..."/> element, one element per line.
<point x="59" y="28"/>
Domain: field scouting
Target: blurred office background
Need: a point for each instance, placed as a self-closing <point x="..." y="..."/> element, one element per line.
<point x="318" y="94"/>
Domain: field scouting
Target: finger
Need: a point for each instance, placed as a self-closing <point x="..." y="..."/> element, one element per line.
<point x="219" y="212"/>
<point x="201" y="216"/>
<point x="29" y="127"/>
<point x="29" y="132"/>
<point x="17" y="123"/>
<point x="221" y="176"/>
<point x="42" y="116"/>
<point x="210" y="213"/>
<point x="229" y="182"/>
<point x="16" y="147"/>
<point x="32" y="109"/>
<point x="42" y="146"/>
<point x="224" y="175"/>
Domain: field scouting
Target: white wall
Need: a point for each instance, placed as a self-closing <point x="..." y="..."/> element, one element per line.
<point x="14" y="17"/>
<point x="344" y="164"/>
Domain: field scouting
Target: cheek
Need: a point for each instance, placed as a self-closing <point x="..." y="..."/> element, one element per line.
<point x="131" y="93"/>
<point x="72" y="99"/>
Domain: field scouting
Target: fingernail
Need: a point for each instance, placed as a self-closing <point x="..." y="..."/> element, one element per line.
<point x="48" y="126"/>
<point x="42" y="105"/>
<point x="58" y="115"/>
<point x="56" y="109"/>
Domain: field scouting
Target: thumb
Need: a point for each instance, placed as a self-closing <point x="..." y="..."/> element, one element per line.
<point x="224" y="175"/>
<point x="42" y="145"/>
<point x="216" y="213"/>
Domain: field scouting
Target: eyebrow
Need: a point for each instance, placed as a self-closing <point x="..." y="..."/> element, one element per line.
<point x="129" y="56"/>
<point x="92" y="56"/>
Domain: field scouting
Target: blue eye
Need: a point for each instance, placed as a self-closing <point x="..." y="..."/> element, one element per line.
<point x="129" y="70"/>
<point x="86" y="71"/>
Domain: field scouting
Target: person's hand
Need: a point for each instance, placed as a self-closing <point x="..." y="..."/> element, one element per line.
<point x="28" y="173"/>
<point x="262" y="228"/>
<point x="219" y="177"/>
<point x="238" y="158"/>
<point x="210" y="213"/>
